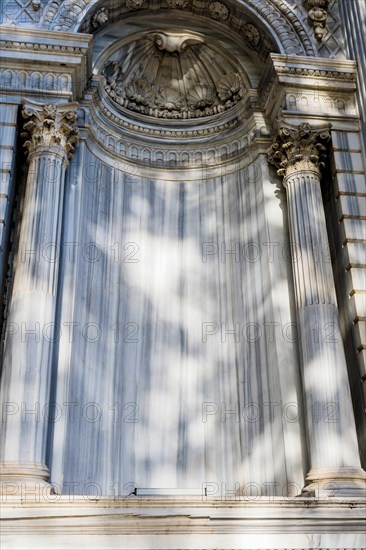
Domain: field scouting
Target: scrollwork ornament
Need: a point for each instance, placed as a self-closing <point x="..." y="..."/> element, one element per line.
<point x="51" y="128"/>
<point x="299" y="148"/>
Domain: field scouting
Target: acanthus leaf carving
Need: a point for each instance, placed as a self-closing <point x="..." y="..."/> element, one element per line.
<point x="51" y="128"/>
<point x="299" y="148"/>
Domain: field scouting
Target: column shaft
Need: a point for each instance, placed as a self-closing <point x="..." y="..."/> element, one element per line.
<point x="31" y="329"/>
<point x="333" y="449"/>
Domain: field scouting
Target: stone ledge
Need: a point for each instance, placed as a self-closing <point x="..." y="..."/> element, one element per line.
<point x="189" y="523"/>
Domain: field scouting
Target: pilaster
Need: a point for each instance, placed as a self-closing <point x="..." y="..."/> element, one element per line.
<point x="51" y="135"/>
<point x="324" y="92"/>
<point x="299" y="154"/>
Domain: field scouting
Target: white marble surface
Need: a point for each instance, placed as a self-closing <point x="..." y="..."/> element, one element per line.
<point x="164" y="379"/>
<point x="192" y="524"/>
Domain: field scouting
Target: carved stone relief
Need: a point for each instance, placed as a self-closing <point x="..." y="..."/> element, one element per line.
<point x="290" y="31"/>
<point x="295" y="149"/>
<point x="100" y="18"/>
<point x="174" y="76"/>
<point x="218" y="11"/>
<point x="50" y="127"/>
<point x="317" y="16"/>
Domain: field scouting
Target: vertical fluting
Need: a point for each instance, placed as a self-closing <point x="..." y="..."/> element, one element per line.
<point x="31" y="329"/>
<point x="333" y="450"/>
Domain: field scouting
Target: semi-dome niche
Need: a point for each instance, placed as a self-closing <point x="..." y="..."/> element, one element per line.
<point x="173" y="76"/>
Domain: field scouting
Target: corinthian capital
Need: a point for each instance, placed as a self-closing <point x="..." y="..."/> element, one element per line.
<point x="51" y="128"/>
<point x="296" y="149"/>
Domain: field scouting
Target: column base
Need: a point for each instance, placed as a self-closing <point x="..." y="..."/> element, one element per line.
<point x="25" y="480"/>
<point x="335" y="482"/>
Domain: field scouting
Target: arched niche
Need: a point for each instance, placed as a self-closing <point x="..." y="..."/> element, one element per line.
<point x="172" y="208"/>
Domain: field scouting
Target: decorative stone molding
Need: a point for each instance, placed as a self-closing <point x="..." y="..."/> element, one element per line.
<point x="277" y="15"/>
<point x="37" y="47"/>
<point x="168" y="132"/>
<point x="317" y="16"/>
<point x="45" y="83"/>
<point x="205" y="523"/>
<point x="51" y="128"/>
<point x="299" y="148"/>
<point x="323" y="87"/>
<point x="315" y="73"/>
<point x="53" y="64"/>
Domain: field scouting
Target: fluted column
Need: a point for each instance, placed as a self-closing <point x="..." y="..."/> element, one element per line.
<point x="51" y="135"/>
<point x="335" y="468"/>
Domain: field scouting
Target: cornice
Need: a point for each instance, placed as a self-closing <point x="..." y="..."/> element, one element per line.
<point x="40" y="54"/>
<point x="311" y="86"/>
<point x="331" y="72"/>
<point x="42" y="47"/>
<point x="29" y="34"/>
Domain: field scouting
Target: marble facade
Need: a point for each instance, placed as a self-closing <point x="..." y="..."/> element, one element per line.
<point x="183" y="274"/>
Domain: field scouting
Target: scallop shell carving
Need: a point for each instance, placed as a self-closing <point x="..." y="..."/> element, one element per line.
<point x="201" y="96"/>
<point x="170" y="99"/>
<point x="228" y="86"/>
<point x="139" y="91"/>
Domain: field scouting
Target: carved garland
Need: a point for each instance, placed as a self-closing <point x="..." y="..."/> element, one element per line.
<point x="210" y="131"/>
<point x="202" y="99"/>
